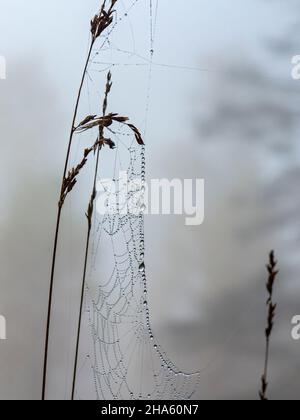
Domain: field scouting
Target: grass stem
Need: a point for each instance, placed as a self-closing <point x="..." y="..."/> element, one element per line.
<point x="58" y="220"/>
<point x="273" y="272"/>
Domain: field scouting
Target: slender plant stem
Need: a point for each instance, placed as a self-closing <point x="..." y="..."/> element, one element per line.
<point x="80" y="316"/>
<point x="265" y="375"/>
<point x="59" y="213"/>
<point x="76" y="107"/>
<point x="273" y="272"/>
<point x="87" y="248"/>
<point x="83" y="285"/>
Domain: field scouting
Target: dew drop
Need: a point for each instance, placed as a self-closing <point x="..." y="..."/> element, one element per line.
<point x="143" y="208"/>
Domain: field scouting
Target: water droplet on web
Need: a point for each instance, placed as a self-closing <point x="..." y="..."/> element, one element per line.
<point x="143" y="208"/>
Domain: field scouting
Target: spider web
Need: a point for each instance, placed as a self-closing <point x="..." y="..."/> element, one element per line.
<point x="121" y="348"/>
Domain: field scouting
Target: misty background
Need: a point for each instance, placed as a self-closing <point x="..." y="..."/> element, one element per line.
<point x="222" y="107"/>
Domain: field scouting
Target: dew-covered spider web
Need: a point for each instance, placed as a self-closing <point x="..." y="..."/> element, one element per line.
<point x="121" y="357"/>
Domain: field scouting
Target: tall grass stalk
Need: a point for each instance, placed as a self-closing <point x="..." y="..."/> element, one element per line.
<point x="273" y="272"/>
<point x="103" y="122"/>
<point x="89" y="216"/>
<point x="98" y="25"/>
